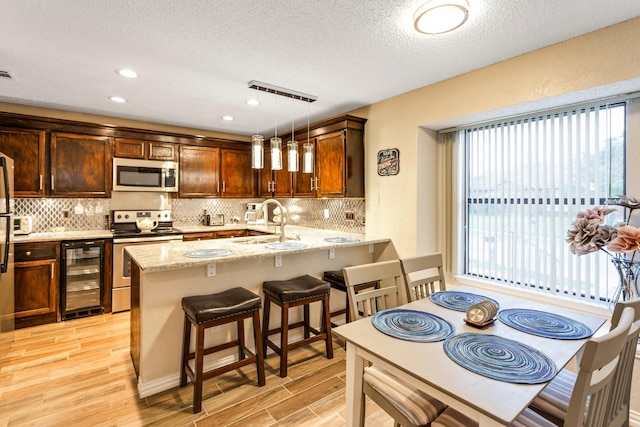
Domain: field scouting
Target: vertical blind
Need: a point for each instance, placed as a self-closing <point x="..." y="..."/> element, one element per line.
<point x="526" y="179"/>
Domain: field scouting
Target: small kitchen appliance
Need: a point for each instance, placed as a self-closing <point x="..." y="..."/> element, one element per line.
<point x="252" y="212"/>
<point x="22" y="225"/>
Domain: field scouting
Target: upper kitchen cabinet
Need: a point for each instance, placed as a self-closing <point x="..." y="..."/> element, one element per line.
<point x="148" y="150"/>
<point x="236" y="173"/>
<point x="199" y="172"/>
<point x="27" y="149"/>
<point x="80" y="165"/>
<point x="274" y="183"/>
<point x="339" y="160"/>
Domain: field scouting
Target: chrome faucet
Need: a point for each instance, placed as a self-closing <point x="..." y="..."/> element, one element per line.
<point x="282" y="217"/>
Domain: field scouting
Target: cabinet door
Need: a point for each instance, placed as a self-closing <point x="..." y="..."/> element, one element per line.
<point x="330" y="165"/>
<point x="304" y="183"/>
<point x="130" y="148"/>
<point x="199" y="171"/>
<point x="80" y="165"/>
<point x="237" y="174"/>
<point x="162" y="151"/>
<point x="203" y="235"/>
<point x="274" y="183"/>
<point x="226" y="234"/>
<point x="27" y="149"/>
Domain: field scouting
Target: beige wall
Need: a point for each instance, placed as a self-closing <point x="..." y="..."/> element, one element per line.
<point x="405" y="206"/>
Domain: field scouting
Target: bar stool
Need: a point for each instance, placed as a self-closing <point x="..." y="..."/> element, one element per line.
<point x="336" y="281"/>
<point x="295" y="292"/>
<point x="207" y="311"/>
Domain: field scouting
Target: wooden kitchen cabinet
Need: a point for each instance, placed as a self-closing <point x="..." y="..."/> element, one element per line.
<point x="236" y="173"/>
<point x="27" y="149"/>
<point x="80" y="165"/>
<point x="208" y="235"/>
<point x="199" y="172"/>
<point x="36" y="272"/>
<point x="274" y="183"/>
<point x="338" y="160"/>
<point x="148" y="150"/>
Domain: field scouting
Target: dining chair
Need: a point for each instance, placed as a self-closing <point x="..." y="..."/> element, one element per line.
<point x="422" y="274"/>
<point x="590" y="393"/>
<point x="408" y="406"/>
<point x="553" y="401"/>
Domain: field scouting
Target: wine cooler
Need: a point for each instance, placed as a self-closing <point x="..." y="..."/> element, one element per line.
<point x="82" y="278"/>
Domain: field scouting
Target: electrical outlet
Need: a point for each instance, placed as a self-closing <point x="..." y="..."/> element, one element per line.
<point x="278" y="260"/>
<point x="350" y="216"/>
<point x="332" y="253"/>
<point x="65" y="214"/>
<point x="211" y="270"/>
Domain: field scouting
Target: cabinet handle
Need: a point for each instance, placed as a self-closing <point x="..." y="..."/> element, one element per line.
<point x="311" y="183"/>
<point x="274" y="186"/>
<point x="224" y="186"/>
<point x="40" y="183"/>
<point x="218" y="187"/>
<point x="53" y="271"/>
<point x="53" y="182"/>
<point x="317" y="188"/>
<point x="269" y="190"/>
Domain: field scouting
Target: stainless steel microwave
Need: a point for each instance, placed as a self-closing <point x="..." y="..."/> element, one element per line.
<point x="144" y="175"/>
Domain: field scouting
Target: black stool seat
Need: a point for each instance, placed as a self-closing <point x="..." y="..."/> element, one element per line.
<point x="297" y="288"/>
<point x="205" y="308"/>
<point x="336" y="281"/>
<point x="299" y="291"/>
<point x="208" y="311"/>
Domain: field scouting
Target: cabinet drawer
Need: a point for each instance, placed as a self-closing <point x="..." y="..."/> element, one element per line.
<point x="34" y="251"/>
<point x="204" y="235"/>
<point x="226" y="234"/>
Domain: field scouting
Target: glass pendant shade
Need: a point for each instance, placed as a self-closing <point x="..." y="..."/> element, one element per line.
<point x="276" y="153"/>
<point x="292" y="156"/>
<point x="307" y="158"/>
<point x="257" y="152"/>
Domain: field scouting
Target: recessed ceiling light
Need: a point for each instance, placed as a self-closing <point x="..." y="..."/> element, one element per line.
<point x="253" y="102"/>
<point x="227" y="118"/>
<point x="118" y="99"/>
<point x="441" y="16"/>
<point x="126" y="72"/>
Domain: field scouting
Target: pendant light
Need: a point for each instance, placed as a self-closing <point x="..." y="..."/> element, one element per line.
<point x="307" y="150"/>
<point x="257" y="144"/>
<point x="276" y="143"/>
<point x="292" y="147"/>
<point x="276" y="146"/>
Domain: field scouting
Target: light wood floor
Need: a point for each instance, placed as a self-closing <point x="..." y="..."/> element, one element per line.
<point x="79" y="372"/>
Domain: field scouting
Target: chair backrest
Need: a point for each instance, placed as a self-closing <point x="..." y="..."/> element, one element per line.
<point x="595" y="374"/>
<point x="367" y="302"/>
<point x="422" y="274"/>
<point x="618" y="406"/>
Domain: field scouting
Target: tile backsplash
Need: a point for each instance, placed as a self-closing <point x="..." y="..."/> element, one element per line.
<point x="345" y="214"/>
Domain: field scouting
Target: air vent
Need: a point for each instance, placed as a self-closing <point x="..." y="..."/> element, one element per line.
<point x="5" y="75"/>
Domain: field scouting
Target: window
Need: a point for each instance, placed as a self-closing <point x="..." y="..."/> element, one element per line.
<point x="525" y="181"/>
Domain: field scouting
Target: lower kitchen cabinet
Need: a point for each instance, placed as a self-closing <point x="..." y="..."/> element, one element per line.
<point x="220" y="234"/>
<point x="37" y="294"/>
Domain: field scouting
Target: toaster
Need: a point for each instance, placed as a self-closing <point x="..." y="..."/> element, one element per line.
<point x="22" y="224"/>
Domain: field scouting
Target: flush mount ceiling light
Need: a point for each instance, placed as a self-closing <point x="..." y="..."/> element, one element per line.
<point x="118" y="99"/>
<point x="227" y="118"/>
<point x="440" y="16"/>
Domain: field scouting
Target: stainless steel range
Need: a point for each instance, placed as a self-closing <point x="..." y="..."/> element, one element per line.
<point x="135" y="227"/>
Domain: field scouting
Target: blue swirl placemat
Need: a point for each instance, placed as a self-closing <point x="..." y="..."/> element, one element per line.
<point x="412" y="325"/>
<point x="544" y="324"/>
<point x="500" y="358"/>
<point x="458" y="301"/>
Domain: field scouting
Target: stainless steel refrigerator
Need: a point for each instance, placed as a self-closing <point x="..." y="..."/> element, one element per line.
<point x="6" y="257"/>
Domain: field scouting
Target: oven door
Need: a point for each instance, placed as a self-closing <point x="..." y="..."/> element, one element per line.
<point x="121" y="292"/>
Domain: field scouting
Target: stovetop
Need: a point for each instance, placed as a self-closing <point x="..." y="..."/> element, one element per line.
<point x="123" y="223"/>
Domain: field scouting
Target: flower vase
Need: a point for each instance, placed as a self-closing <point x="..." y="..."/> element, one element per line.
<point x="628" y="271"/>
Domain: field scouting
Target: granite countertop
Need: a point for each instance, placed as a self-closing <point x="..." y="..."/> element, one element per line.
<point x="166" y="256"/>
<point x="62" y="236"/>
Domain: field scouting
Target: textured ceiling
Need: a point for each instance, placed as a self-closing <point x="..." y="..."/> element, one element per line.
<point x="196" y="57"/>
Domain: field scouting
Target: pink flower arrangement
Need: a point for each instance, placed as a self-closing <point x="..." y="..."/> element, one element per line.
<point x="588" y="233"/>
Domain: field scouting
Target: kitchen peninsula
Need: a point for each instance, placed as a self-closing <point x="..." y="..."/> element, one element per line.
<point x="162" y="275"/>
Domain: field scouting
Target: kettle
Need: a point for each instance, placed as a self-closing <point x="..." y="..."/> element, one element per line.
<point x="146" y="224"/>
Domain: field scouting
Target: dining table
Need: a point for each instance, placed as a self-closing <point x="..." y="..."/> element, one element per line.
<point x="427" y="366"/>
